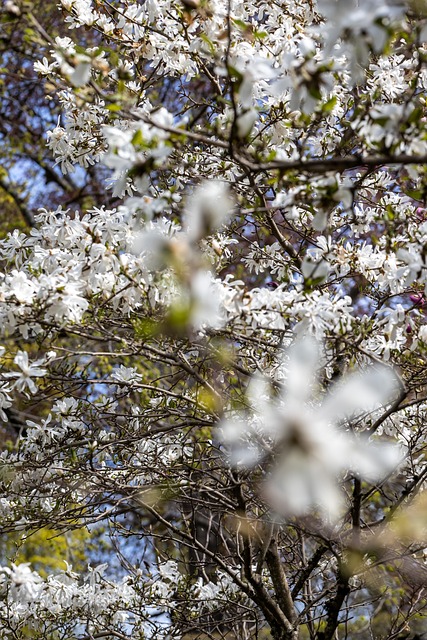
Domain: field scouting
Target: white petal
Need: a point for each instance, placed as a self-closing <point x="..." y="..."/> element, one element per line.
<point x="300" y="484"/>
<point x="374" y="461"/>
<point x="301" y="368"/>
<point x="361" y="392"/>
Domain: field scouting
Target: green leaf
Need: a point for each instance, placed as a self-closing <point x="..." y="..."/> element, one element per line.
<point x="416" y="115"/>
<point x="329" y="105"/>
<point x="114" y="107"/>
<point x="137" y="138"/>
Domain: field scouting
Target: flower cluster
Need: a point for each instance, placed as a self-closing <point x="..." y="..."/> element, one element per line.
<point x="218" y="357"/>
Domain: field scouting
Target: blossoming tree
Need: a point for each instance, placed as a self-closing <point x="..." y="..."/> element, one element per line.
<point x="226" y="370"/>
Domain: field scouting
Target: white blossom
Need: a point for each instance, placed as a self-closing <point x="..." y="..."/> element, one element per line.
<point x="28" y="371"/>
<point x="300" y="438"/>
<point x="207" y="209"/>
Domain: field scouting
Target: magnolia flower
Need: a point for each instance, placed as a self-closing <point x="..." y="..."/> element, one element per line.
<point x="5" y="401"/>
<point x="80" y="74"/>
<point x="314" y="269"/>
<point x="359" y="18"/>
<point x="205" y="296"/>
<point x="45" y="67"/>
<point x="159" y="244"/>
<point x="252" y="69"/>
<point x="21" y="287"/>
<point x="303" y="445"/>
<point x="245" y="122"/>
<point x="207" y="209"/>
<point x="358" y="23"/>
<point x="28" y="371"/>
<point x="126" y="374"/>
<point x="21" y="583"/>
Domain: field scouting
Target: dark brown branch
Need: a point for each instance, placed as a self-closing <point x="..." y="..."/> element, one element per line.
<point x="280" y="581"/>
<point x="355" y="515"/>
<point x="305" y="573"/>
<point x="333" y="607"/>
<point x="322" y="165"/>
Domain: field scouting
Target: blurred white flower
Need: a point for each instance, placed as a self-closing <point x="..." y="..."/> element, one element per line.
<point x="245" y="122"/>
<point x="252" y="69"/>
<point x="422" y="333"/>
<point x="315" y="269"/>
<point x="156" y="246"/>
<point x="80" y="74"/>
<point x="358" y="26"/>
<point x="207" y="209"/>
<point x="169" y="571"/>
<point x="304" y="446"/>
<point x="12" y="7"/>
<point x="206" y="308"/>
<point x="356" y="18"/>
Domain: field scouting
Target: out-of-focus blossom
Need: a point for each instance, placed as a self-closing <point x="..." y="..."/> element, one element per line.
<point x="205" y="301"/>
<point x="314" y="269"/>
<point x="207" y="209"/>
<point x="245" y="122"/>
<point x="359" y="23"/>
<point x="304" y="445"/>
